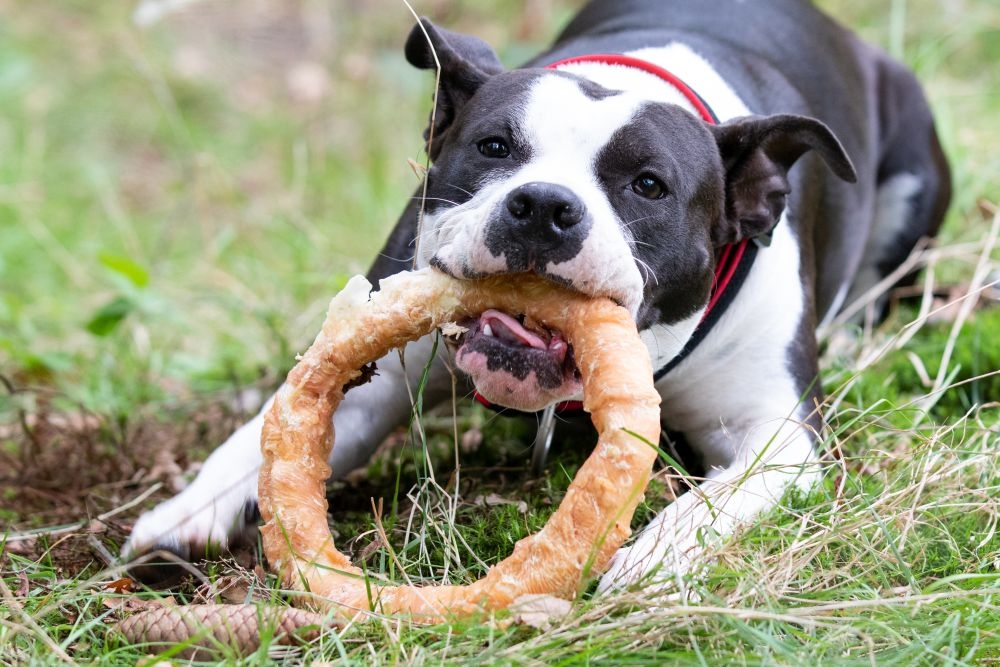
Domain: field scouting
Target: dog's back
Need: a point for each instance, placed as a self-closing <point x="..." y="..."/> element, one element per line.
<point x="810" y="65"/>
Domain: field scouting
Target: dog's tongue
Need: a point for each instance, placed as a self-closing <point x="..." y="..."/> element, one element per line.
<point x="503" y="326"/>
<point x="500" y="325"/>
<point x="515" y="363"/>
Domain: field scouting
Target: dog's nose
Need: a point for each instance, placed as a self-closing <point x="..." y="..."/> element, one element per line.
<point x="537" y="224"/>
<point x="544" y="212"/>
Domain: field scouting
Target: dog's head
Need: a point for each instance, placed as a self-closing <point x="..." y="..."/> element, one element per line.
<point x="600" y="190"/>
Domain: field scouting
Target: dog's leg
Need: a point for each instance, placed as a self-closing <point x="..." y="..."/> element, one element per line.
<point x="220" y="505"/>
<point x="914" y="181"/>
<point x="757" y="439"/>
<point x="746" y="404"/>
<point x="772" y="457"/>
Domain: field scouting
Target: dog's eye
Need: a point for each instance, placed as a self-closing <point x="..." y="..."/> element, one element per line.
<point x="649" y="186"/>
<point x="493" y="147"/>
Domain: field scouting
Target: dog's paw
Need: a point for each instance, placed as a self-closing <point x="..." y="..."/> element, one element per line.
<point x="191" y="526"/>
<point x="217" y="510"/>
<point x="654" y="562"/>
<point x="641" y="562"/>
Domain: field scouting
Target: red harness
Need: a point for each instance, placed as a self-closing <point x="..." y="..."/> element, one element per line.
<point x="729" y="258"/>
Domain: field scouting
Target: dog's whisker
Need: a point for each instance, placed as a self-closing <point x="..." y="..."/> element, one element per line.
<point x="394" y="258"/>
<point x="648" y="270"/>
<point x="440" y="199"/>
<point x="628" y="224"/>
<point x="461" y="189"/>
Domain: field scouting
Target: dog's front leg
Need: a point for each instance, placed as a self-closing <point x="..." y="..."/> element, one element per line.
<point x="220" y="505"/>
<point x="771" y="457"/>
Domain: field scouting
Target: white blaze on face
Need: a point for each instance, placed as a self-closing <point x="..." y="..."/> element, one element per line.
<point x="566" y="131"/>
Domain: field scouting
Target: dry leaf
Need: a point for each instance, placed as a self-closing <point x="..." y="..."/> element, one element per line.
<point x="471" y="440"/>
<point x="121" y="586"/>
<point x="126" y="605"/>
<point x="539" y="610"/>
<point x="494" y="500"/>
<point x="418" y="169"/>
<point x="230" y="589"/>
<point x="24" y="547"/>
<point x="24" y="585"/>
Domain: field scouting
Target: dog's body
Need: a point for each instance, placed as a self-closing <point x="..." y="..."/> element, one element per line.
<point x="603" y="177"/>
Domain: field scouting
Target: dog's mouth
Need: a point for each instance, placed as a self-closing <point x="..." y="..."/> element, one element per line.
<point x="515" y="362"/>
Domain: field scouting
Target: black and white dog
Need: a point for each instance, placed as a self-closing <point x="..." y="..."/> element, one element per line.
<point x="647" y="157"/>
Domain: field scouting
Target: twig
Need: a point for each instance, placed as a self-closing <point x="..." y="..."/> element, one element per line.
<point x="918" y="257"/>
<point x="22" y="419"/>
<point x="69" y="528"/>
<point x="101" y="551"/>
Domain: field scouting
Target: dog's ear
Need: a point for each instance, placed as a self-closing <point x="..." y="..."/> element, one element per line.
<point x="757" y="153"/>
<point x="466" y="63"/>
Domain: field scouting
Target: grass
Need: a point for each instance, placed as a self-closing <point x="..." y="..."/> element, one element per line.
<point x="177" y="203"/>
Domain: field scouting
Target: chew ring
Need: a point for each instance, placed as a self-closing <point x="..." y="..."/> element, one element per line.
<point x="580" y="537"/>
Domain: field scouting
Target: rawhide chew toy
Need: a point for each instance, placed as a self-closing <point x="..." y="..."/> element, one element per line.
<point x="580" y="537"/>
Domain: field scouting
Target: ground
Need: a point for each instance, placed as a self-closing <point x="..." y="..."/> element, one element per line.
<point x="180" y="193"/>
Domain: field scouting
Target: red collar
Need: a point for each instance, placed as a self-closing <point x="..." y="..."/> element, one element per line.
<point x="728" y="259"/>
<point x="644" y="65"/>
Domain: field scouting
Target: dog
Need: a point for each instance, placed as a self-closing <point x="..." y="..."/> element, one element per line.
<point x="732" y="174"/>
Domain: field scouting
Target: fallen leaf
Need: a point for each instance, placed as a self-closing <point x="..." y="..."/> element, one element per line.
<point x="494" y="500"/>
<point x="166" y="469"/>
<point x="538" y="610"/>
<point x="471" y="440"/>
<point x="24" y="547"/>
<point x="230" y="589"/>
<point x="126" y="605"/>
<point x="24" y="585"/>
<point x="121" y="586"/>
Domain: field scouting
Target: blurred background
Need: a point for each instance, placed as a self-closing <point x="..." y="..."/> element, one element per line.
<point x="184" y="183"/>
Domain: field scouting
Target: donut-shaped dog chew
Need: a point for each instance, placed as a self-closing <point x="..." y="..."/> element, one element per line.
<point x="580" y="537"/>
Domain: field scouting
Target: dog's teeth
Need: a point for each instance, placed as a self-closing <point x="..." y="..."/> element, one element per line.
<point x="487" y="330"/>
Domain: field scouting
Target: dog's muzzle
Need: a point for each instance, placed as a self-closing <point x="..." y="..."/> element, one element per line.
<point x="516" y="363"/>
